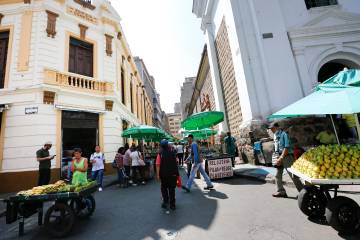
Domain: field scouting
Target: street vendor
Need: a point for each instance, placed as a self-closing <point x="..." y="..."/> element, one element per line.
<point x="44" y="159"/>
<point x="230" y="147"/>
<point x="79" y="168"/>
<point x="284" y="160"/>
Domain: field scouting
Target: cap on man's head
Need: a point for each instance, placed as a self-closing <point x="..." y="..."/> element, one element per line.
<point x="164" y="142"/>
<point x="48" y="143"/>
<point x="273" y="125"/>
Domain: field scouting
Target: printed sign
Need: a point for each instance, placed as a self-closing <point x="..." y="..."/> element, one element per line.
<point x="31" y="110"/>
<point x="220" y="168"/>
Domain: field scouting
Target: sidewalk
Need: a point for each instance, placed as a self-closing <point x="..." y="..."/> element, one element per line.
<point x="108" y="180"/>
<point x="261" y="173"/>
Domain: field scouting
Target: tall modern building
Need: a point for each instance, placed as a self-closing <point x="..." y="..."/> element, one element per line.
<point x="149" y="86"/>
<point x="185" y="97"/>
<point x="177" y="108"/>
<point x="265" y="55"/>
<point x="67" y="76"/>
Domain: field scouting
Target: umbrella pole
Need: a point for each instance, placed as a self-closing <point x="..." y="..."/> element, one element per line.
<point x="333" y="124"/>
<point x="357" y="125"/>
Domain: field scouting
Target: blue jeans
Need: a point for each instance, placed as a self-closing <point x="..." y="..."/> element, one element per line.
<point x="195" y="168"/>
<point x="121" y="175"/>
<point x="98" y="175"/>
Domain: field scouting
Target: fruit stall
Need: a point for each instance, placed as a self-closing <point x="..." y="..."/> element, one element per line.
<point x="325" y="168"/>
<point x="68" y="203"/>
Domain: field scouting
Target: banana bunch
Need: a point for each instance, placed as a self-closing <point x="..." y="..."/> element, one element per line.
<point x="51" y="188"/>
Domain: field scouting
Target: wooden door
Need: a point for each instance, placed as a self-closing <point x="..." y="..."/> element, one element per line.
<point x="4" y="41"/>
<point x="81" y="57"/>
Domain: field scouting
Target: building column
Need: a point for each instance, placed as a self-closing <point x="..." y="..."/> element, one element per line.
<point x="215" y="76"/>
<point x="302" y="68"/>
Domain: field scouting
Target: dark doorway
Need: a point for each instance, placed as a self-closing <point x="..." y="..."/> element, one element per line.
<point x="81" y="57"/>
<point x="79" y="130"/>
<point x="334" y="67"/>
<point x="4" y="42"/>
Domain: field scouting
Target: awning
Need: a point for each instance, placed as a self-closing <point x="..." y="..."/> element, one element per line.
<point x="79" y="109"/>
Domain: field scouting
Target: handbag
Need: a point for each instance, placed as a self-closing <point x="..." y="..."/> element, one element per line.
<point x="178" y="182"/>
<point x="140" y="161"/>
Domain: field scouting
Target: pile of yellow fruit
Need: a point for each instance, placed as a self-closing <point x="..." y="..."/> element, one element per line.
<point x="330" y="162"/>
<point x="51" y="188"/>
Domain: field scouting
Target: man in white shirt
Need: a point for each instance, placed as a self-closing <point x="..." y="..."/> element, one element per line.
<point x="97" y="160"/>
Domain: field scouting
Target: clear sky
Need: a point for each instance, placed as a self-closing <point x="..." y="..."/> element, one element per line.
<point x="167" y="36"/>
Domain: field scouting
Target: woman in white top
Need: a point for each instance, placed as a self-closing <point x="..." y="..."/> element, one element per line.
<point x="137" y="166"/>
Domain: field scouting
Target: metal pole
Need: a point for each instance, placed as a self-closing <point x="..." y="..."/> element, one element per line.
<point x="333" y="124"/>
<point x="357" y="125"/>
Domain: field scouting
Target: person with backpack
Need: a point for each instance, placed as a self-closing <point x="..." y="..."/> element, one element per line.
<point x="97" y="160"/>
<point x="283" y="160"/>
<point x="197" y="166"/>
<point x="167" y="173"/>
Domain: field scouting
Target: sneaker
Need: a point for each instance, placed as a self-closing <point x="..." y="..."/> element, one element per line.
<point x="134" y="184"/>
<point x="130" y="181"/>
<point x="185" y="188"/>
<point x="164" y="205"/>
<point x="208" y="187"/>
<point x="280" y="195"/>
<point x="143" y="182"/>
<point x="100" y="189"/>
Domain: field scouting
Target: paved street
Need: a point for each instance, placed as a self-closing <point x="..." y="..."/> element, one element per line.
<point x="237" y="209"/>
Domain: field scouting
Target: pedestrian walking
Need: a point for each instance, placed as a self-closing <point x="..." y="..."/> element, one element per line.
<point x="98" y="161"/>
<point x="180" y="153"/>
<point x="187" y="160"/>
<point x="127" y="161"/>
<point x="137" y="166"/>
<point x="283" y="153"/>
<point x="44" y="159"/>
<point x="167" y="174"/>
<point x="119" y="160"/>
<point x="230" y="147"/>
<point x="197" y="165"/>
<point x="79" y="168"/>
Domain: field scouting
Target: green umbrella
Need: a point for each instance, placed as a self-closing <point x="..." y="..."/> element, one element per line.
<point x="202" y="120"/>
<point x="326" y="100"/>
<point x="348" y="77"/>
<point x="144" y="132"/>
<point x="201" y="134"/>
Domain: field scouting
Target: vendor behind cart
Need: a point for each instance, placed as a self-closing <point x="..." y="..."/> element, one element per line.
<point x="284" y="160"/>
<point x="79" y="168"/>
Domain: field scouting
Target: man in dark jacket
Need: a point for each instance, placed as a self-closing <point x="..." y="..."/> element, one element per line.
<point x="167" y="173"/>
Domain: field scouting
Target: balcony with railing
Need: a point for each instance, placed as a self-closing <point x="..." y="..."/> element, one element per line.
<point x="77" y="82"/>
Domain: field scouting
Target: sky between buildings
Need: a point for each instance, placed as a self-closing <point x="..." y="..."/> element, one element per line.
<point x="167" y="36"/>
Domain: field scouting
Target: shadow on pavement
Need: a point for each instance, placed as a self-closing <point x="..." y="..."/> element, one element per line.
<point x="237" y="180"/>
<point x="216" y="194"/>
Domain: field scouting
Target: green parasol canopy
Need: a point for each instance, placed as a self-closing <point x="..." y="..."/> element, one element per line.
<point x="144" y="132"/>
<point x="347" y="77"/>
<point x="202" y="120"/>
<point x="326" y="100"/>
<point x="201" y="134"/>
<point x="339" y="94"/>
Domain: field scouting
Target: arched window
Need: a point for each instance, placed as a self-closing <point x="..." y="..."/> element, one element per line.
<point x="333" y="67"/>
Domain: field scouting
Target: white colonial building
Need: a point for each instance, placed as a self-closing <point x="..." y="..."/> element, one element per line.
<point x="266" y="54"/>
<point x="67" y="76"/>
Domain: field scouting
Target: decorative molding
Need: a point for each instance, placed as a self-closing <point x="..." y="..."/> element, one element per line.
<point x="25" y="43"/>
<point x="49" y="97"/>
<point x="80" y="14"/>
<point x="119" y="34"/>
<point x="51" y="23"/>
<point x="27" y="1"/>
<point x="83" y="29"/>
<point x="110" y="22"/>
<point x="109" y="39"/>
<point x="85" y="3"/>
<point x="129" y="58"/>
<point x="1" y="17"/>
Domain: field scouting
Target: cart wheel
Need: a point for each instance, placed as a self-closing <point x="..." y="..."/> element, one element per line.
<point x="343" y="214"/>
<point x="312" y="201"/>
<point x="59" y="220"/>
<point x="83" y="207"/>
